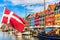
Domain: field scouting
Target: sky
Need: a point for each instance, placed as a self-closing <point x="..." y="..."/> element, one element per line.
<point x="24" y="7"/>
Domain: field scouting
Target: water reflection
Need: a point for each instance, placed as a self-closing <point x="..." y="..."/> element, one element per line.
<point x="4" y="36"/>
<point x="13" y="37"/>
<point x="7" y="36"/>
<point x="34" y="38"/>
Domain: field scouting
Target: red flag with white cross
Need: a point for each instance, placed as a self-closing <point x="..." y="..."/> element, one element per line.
<point x="13" y="20"/>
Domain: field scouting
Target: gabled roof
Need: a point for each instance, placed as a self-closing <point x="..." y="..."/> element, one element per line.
<point x="58" y="6"/>
<point x="43" y="12"/>
<point x="52" y="6"/>
<point x="31" y="15"/>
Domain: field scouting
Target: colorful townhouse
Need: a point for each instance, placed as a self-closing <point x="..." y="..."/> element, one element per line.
<point x="47" y="18"/>
<point x="57" y="14"/>
<point x="27" y="22"/>
<point x="42" y="19"/>
<point x="50" y="16"/>
<point x="37" y="20"/>
<point x="31" y="20"/>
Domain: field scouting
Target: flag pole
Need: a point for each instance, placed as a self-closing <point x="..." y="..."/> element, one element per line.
<point x="25" y="16"/>
<point x="45" y="13"/>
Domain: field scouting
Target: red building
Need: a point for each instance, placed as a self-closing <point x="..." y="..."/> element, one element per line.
<point x="37" y="20"/>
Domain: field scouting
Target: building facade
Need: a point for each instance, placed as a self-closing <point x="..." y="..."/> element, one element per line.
<point x="37" y="20"/>
<point x="42" y="20"/>
<point x="49" y="17"/>
<point x="57" y="14"/>
<point x="31" y="20"/>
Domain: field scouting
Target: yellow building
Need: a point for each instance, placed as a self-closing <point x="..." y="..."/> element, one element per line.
<point x="57" y="14"/>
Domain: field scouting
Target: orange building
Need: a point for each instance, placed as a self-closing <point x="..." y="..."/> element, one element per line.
<point x="50" y="16"/>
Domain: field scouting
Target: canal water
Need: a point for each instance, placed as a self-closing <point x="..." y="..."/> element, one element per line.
<point x="7" y="36"/>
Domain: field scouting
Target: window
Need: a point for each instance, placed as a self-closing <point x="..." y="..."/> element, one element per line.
<point x="37" y="16"/>
<point x="48" y="13"/>
<point x="41" y="24"/>
<point x="31" y="23"/>
<point x="58" y="23"/>
<point x="56" y="7"/>
<point x="42" y="15"/>
<point x="57" y="18"/>
<point x="52" y="12"/>
<point x="31" y="19"/>
<point x="41" y="18"/>
<point x="47" y="16"/>
<point x="55" y="12"/>
<point x="59" y="11"/>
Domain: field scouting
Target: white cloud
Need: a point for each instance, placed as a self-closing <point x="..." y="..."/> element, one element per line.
<point x="32" y="1"/>
<point x="35" y="9"/>
<point x="40" y="8"/>
<point x="27" y="3"/>
<point x="15" y="2"/>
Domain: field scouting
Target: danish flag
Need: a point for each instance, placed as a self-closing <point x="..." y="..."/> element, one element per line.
<point x="13" y="20"/>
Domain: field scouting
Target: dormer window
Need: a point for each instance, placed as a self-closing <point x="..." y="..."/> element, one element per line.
<point x="56" y="8"/>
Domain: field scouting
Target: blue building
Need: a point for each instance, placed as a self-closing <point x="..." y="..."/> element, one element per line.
<point x="32" y="21"/>
<point x="41" y="19"/>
